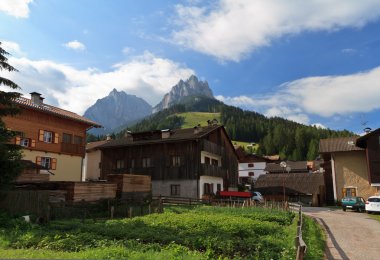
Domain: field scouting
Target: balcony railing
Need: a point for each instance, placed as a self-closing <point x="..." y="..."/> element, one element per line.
<point x="212" y="147"/>
<point x="212" y="170"/>
<point x="72" y="149"/>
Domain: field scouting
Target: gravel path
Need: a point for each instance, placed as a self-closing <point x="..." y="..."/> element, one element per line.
<point x="350" y="235"/>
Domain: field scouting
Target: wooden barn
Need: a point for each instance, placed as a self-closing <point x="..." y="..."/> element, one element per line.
<point x="308" y="188"/>
<point x="188" y="163"/>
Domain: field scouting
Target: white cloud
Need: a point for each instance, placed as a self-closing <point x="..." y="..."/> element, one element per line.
<point x="12" y="48"/>
<point x="146" y="76"/>
<point x="75" y="45"/>
<point x="327" y="96"/>
<point x="319" y="125"/>
<point x="127" y="50"/>
<point x="16" y="8"/>
<point x="232" y="29"/>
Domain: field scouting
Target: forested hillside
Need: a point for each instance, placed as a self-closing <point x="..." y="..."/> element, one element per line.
<point x="291" y="140"/>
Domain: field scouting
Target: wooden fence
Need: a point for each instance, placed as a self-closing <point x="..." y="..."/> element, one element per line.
<point x="300" y="244"/>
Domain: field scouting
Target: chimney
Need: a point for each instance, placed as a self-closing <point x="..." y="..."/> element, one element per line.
<point x="128" y="136"/>
<point x="197" y="129"/>
<point x="108" y="137"/>
<point x="165" y="133"/>
<point x="367" y="130"/>
<point x="36" y="98"/>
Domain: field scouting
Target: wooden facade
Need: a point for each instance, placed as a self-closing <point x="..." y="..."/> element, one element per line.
<point x="50" y="137"/>
<point x="184" y="154"/>
<point x="371" y="144"/>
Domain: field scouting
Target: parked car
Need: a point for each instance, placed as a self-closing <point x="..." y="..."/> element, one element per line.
<point x="256" y="196"/>
<point x="372" y="204"/>
<point x="354" y="203"/>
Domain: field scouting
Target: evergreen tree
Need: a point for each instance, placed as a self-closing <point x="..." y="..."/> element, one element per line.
<point x="10" y="154"/>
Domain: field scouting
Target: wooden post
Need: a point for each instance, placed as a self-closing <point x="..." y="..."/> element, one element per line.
<point x="112" y="211"/>
<point x="149" y="208"/>
<point x="130" y="212"/>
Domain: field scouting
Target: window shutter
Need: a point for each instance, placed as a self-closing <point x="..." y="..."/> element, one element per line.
<point x="344" y="192"/>
<point x="32" y="143"/>
<point x="53" y="163"/>
<point x="41" y="135"/>
<point x="353" y="191"/>
<point x="18" y="140"/>
<point x="38" y="160"/>
<point x="56" y="138"/>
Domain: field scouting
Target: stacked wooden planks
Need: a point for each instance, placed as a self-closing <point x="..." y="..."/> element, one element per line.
<point x="33" y="177"/>
<point x="91" y="191"/>
<point x="127" y="183"/>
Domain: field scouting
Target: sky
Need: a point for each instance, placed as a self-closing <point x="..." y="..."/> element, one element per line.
<point x="313" y="62"/>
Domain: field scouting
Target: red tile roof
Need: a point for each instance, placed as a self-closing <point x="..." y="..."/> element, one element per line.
<point x="27" y="103"/>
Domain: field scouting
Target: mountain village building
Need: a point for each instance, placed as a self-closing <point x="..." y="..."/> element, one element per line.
<point x="192" y="163"/>
<point x="52" y="138"/>
<point x="346" y="168"/>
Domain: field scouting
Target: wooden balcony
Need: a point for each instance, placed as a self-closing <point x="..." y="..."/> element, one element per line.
<point x="211" y="147"/>
<point x="74" y="149"/>
<point x="212" y="170"/>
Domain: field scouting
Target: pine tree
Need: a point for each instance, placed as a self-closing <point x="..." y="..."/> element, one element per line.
<point x="10" y="154"/>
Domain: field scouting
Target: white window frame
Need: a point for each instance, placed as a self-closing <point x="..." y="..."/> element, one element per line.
<point x="176" y="160"/>
<point x="46" y="162"/>
<point x="48" y="137"/>
<point x="25" y="142"/>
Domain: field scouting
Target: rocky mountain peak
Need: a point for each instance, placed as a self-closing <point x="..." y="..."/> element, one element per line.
<point x="192" y="86"/>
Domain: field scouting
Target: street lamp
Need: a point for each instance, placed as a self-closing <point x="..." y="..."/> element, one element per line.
<point x="283" y="166"/>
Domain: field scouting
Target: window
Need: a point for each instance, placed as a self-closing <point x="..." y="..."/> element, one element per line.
<point x="48" y="136"/>
<point x="175" y="190"/>
<point x="132" y="163"/>
<point x="251" y="174"/>
<point x="349" y="192"/>
<point x="119" y="164"/>
<point x="250" y="165"/>
<point x="47" y="162"/>
<point x="78" y="139"/>
<point x="146" y="162"/>
<point x="207" y="160"/>
<point x="67" y="138"/>
<point x="208" y="188"/>
<point x="25" y="142"/>
<point x="176" y="160"/>
<point x="214" y="162"/>
<point x="218" y="187"/>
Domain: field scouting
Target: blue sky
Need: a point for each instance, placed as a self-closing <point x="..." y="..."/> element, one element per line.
<point x="314" y="62"/>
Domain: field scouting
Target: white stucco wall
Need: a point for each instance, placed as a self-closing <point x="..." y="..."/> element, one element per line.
<point x="209" y="179"/>
<point x="91" y="170"/>
<point x="211" y="156"/>
<point x="258" y="169"/>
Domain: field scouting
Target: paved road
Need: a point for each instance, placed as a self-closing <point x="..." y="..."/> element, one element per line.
<point x="350" y="235"/>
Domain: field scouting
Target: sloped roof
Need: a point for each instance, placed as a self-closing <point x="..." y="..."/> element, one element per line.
<point x="176" y="135"/>
<point x="301" y="182"/>
<point x="27" y="103"/>
<point x="243" y="157"/>
<point x="341" y="144"/>
<point x="296" y="166"/>
<point x="94" y="145"/>
<point x="361" y="141"/>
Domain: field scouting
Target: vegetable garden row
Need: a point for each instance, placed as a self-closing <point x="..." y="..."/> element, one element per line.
<point x="198" y="232"/>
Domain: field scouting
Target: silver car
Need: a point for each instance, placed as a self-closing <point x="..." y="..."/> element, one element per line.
<point x="372" y="204"/>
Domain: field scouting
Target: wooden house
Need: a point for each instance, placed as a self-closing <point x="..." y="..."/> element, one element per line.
<point x="371" y="143"/>
<point x="251" y="166"/>
<point x="185" y="162"/>
<point x="346" y="169"/>
<point x="51" y="137"/>
<point x="308" y="188"/>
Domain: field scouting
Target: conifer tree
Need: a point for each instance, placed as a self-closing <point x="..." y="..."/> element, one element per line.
<point x="10" y="154"/>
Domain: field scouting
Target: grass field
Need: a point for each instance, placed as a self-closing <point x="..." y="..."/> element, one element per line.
<point x="194" y="118"/>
